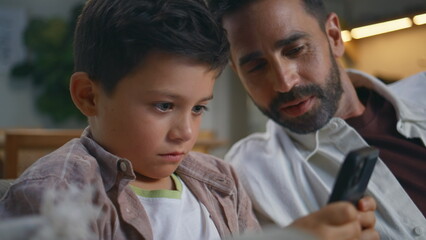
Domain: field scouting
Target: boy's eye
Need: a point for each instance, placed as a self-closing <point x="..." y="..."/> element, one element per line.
<point x="164" y="107"/>
<point x="199" y="109"/>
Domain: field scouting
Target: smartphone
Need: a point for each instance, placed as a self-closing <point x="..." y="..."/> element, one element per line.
<point x="354" y="175"/>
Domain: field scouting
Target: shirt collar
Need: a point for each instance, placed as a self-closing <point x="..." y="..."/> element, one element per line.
<point x="361" y="79"/>
<point x="110" y="165"/>
<point x="309" y="143"/>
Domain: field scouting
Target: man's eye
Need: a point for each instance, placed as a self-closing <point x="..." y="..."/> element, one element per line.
<point x="294" y="52"/>
<point x="256" y="66"/>
<point x="164" y="107"/>
<point x="199" y="109"/>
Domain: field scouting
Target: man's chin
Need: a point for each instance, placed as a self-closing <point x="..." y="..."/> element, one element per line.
<point x="301" y="130"/>
<point x="307" y="123"/>
<point x="303" y="125"/>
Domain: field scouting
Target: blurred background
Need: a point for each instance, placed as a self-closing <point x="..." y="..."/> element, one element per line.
<point x="36" y="62"/>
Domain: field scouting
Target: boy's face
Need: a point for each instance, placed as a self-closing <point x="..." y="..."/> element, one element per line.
<point x="154" y="114"/>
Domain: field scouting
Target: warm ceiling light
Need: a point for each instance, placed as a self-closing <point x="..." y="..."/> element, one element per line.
<point x="379" y="28"/>
<point x="420" y="19"/>
<point x="346" y="35"/>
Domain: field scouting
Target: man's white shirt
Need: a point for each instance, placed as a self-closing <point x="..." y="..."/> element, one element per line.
<point x="289" y="175"/>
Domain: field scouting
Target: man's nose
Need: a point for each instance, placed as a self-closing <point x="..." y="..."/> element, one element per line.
<point x="284" y="75"/>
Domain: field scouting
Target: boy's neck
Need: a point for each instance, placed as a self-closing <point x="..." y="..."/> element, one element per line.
<point x="146" y="183"/>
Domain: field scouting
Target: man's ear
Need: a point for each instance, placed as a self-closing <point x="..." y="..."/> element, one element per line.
<point x="83" y="93"/>
<point x="333" y="33"/>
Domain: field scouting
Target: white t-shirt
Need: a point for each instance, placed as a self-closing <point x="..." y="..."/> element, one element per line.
<point x="177" y="214"/>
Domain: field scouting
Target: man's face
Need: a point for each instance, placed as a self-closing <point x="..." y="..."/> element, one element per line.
<point x="285" y="62"/>
<point x="153" y="116"/>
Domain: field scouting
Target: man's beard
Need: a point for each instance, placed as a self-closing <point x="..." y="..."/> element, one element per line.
<point x="318" y="116"/>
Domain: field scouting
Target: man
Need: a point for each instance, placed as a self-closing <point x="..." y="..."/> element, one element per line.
<point x="285" y="54"/>
<point x="144" y="71"/>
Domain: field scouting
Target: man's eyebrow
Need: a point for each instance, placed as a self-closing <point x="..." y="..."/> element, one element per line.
<point x="249" y="57"/>
<point x="287" y="41"/>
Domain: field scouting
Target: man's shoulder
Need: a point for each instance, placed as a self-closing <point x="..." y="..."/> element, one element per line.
<point x="416" y="77"/>
<point x="411" y="83"/>
<point x="255" y="143"/>
<point x="411" y="90"/>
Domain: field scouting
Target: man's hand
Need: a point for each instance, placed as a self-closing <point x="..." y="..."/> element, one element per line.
<point x="366" y="208"/>
<point x="341" y="220"/>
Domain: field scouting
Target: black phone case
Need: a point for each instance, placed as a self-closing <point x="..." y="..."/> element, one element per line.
<point x="354" y="175"/>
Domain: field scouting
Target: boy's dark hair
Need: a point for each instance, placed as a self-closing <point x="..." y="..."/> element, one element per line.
<point x="113" y="37"/>
<point x="225" y="7"/>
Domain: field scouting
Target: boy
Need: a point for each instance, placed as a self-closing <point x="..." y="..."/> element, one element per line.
<point x="144" y="73"/>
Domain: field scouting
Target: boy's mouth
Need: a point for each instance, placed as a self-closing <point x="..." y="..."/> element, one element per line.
<point x="172" y="156"/>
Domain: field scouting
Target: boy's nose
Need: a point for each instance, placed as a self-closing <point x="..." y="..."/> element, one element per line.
<point x="182" y="130"/>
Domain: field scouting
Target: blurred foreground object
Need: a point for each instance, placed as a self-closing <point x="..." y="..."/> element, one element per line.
<point x="66" y="214"/>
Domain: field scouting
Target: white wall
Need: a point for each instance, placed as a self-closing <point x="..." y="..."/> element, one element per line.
<point x="17" y="97"/>
<point x="217" y="118"/>
<point x="42" y="8"/>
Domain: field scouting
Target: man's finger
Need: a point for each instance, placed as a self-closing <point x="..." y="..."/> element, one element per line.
<point x="339" y="213"/>
<point x="349" y="231"/>
<point x="369" y="234"/>
<point x="367" y="219"/>
<point x="367" y="203"/>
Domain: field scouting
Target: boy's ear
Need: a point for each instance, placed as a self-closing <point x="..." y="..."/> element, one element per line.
<point x="333" y="33"/>
<point x="83" y="93"/>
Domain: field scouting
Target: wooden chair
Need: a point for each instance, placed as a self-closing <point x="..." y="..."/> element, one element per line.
<point x="24" y="146"/>
<point x="4" y="186"/>
<point x="207" y="141"/>
<point x="1" y="152"/>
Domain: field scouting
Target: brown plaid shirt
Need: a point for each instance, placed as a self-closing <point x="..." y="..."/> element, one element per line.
<point x="82" y="162"/>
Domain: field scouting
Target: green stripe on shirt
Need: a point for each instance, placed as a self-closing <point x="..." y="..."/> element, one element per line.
<point x="161" y="193"/>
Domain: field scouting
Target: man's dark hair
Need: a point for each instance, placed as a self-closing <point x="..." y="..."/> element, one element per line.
<point x="113" y="37"/>
<point x="222" y="8"/>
